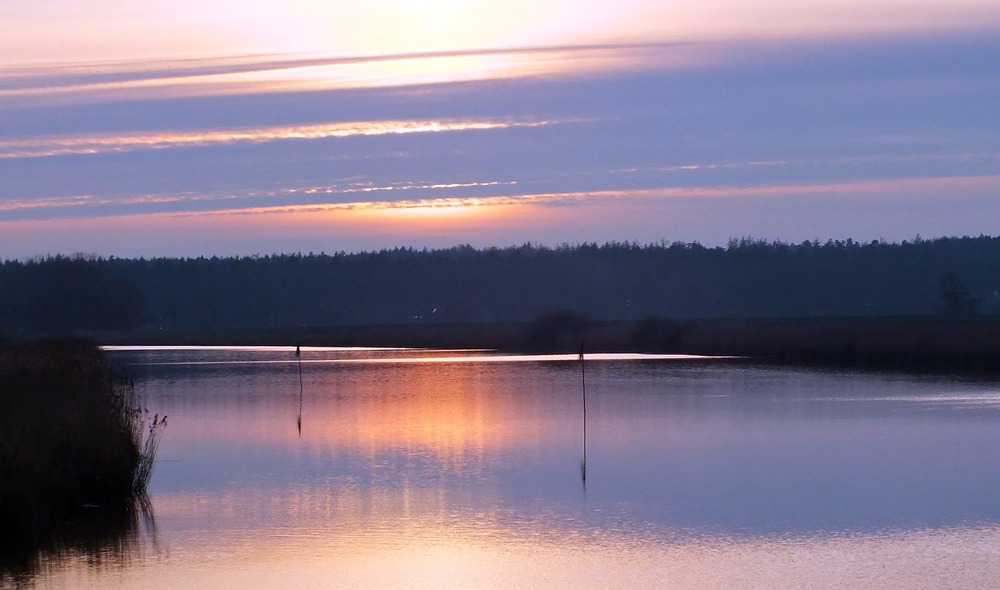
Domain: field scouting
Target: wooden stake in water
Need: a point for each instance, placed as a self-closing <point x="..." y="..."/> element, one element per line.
<point x="298" y="355"/>
<point x="583" y="381"/>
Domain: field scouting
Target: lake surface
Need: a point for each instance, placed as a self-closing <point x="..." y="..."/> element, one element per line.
<point x="459" y="469"/>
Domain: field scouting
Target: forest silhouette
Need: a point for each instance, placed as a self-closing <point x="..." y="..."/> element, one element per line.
<point x="611" y="282"/>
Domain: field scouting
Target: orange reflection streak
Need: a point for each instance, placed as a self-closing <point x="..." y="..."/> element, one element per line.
<point x="443" y="410"/>
<point x="97" y="144"/>
<point x="449" y="413"/>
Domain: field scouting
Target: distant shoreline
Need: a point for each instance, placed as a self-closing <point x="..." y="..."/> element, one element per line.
<point x="925" y="343"/>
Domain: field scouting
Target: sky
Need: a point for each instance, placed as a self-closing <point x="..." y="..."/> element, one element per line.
<point x="187" y="128"/>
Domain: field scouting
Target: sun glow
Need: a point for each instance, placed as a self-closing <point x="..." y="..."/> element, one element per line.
<point x="439" y="208"/>
<point x="34" y="33"/>
<point x="431" y="25"/>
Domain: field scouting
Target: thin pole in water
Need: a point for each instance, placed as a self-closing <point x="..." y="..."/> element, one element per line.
<point x="298" y="355"/>
<point x="583" y="381"/>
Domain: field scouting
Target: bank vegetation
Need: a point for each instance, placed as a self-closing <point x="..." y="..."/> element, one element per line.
<point x="74" y="439"/>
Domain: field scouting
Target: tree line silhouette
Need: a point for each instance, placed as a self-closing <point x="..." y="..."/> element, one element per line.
<point x="616" y="281"/>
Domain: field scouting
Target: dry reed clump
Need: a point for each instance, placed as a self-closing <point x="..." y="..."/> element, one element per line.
<point x="73" y="435"/>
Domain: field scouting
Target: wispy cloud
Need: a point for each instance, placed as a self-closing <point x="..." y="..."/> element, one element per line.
<point x="144" y="80"/>
<point x="893" y="210"/>
<point x="687" y="180"/>
<point x="982" y="157"/>
<point x="876" y="133"/>
<point x="894" y="187"/>
<point x="303" y="198"/>
<point x="88" y="74"/>
<point x="114" y="143"/>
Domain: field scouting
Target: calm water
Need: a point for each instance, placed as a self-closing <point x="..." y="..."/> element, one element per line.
<point x="464" y="470"/>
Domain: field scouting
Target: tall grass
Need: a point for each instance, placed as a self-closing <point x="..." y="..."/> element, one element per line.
<point x="73" y="437"/>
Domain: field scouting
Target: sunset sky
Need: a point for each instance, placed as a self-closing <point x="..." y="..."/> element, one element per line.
<point x="182" y="128"/>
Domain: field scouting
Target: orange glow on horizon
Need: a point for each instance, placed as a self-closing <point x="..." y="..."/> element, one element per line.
<point x="442" y="222"/>
<point x="493" y="206"/>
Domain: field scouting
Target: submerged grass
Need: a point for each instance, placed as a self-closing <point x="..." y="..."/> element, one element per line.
<point x="74" y="437"/>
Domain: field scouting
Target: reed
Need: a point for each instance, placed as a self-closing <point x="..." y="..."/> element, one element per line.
<point x="73" y="437"/>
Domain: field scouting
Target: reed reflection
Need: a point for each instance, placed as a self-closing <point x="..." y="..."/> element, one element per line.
<point x="99" y="540"/>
